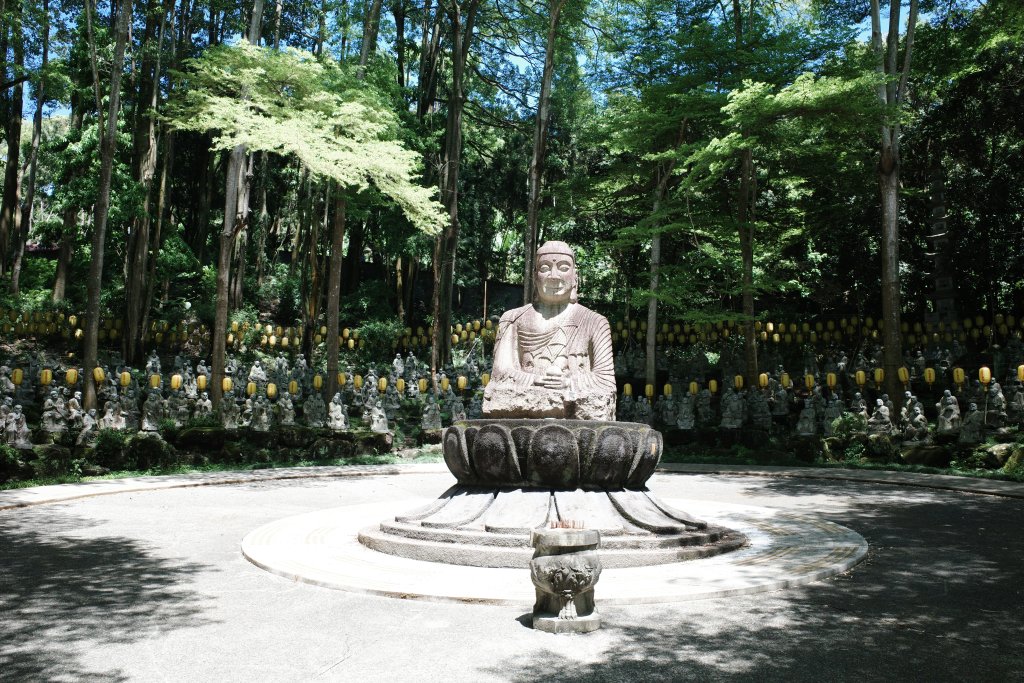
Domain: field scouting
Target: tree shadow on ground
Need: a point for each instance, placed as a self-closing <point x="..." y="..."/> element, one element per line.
<point x="939" y="597"/>
<point x="60" y="593"/>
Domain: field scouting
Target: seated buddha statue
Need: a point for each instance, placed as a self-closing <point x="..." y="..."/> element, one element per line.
<point x="552" y="358"/>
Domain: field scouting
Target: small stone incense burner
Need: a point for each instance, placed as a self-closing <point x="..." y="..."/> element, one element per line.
<point x="564" y="570"/>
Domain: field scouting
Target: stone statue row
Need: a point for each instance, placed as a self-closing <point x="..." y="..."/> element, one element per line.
<point x="768" y="409"/>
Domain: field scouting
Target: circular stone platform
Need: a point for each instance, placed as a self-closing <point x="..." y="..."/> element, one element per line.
<point x="784" y="550"/>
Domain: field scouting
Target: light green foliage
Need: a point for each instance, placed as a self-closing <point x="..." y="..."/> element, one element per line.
<point x="289" y="103"/>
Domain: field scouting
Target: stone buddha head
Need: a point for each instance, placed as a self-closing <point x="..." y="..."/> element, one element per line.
<point x="554" y="275"/>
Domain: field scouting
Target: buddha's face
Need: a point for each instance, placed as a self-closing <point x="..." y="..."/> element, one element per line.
<point x="555" y="278"/>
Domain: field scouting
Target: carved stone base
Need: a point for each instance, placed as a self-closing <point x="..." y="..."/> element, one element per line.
<point x="564" y="570"/>
<point x="491" y="527"/>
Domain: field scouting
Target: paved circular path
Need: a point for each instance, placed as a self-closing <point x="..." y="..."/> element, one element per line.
<point x="784" y="550"/>
<point x="137" y="581"/>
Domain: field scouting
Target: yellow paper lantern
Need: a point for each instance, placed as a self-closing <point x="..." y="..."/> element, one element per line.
<point x="98" y="374"/>
<point x="445" y="383"/>
<point x="461" y="382"/>
<point x="985" y="374"/>
<point x="423" y="385"/>
<point x="737" y="381"/>
<point x="713" y="386"/>
<point x="17" y="376"/>
<point x="318" y="382"/>
<point x="904" y="375"/>
<point x="809" y="381"/>
<point x="250" y="388"/>
<point x="667" y="390"/>
<point x="485" y="378"/>
<point x="1020" y="373"/>
<point x="382" y="384"/>
<point x="694" y="388"/>
<point x="176" y="381"/>
<point x="649" y="391"/>
<point x="762" y="380"/>
<point x="400" y="385"/>
<point x="627" y="389"/>
<point x="830" y="380"/>
<point x="154" y="381"/>
<point x="71" y="377"/>
<point x="293" y="387"/>
<point x="271" y="390"/>
<point x="45" y="377"/>
<point x="879" y="377"/>
<point x="226" y="384"/>
<point x="357" y="381"/>
<point x="201" y="382"/>
<point x="929" y="376"/>
<point x="958" y="376"/>
<point x="785" y="380"/>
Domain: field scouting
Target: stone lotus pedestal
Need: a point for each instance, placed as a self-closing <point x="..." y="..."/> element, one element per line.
<point x="564" y="570"/>
<point x="520" y="475"/>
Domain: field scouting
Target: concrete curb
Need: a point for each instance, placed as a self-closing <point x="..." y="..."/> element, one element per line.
<point x="988" y="487"/>
<point x="59" y="493"/>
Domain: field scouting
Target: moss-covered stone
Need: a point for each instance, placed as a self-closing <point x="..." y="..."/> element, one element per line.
<point x="928" y="454"/>
<point x="149" y="450"/>
<point x="881" y="448"/>
<point x="204" y="439"/>
<point x="50" y="460"/>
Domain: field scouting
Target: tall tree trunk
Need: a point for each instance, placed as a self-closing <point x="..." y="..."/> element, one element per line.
<point x="108" y="148"/>
<point x="536" y="171"/>
<point x="334" y="290"/>
<point x="663" y="177"/>
<point x="747" y="197"/>
<point x="398" y="10"/>
<point x="462" y="21"/>
<point x="25" y="226"/>
<point x="369" y="45"/>
<point x="235" y="209"/>
<point x="67" y="242"/>
<point x="10" y="216"/>
<point x="138" y="252"/>
<point x="891" y="94"/>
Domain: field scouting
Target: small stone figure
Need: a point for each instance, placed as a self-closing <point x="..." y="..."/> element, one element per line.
<point x="87" y="437"/>
<point x="337" y="415"/>
<point x="995" y="406"/>
<point x="378" y="419"/>
<point x="17" y="431"/>
<point x="880" y="422"/>
<point x="458" y="410"/>
<point x="705" y="413"/>
<point x="669" y="412"/>
<point x="257" y="374"/>
<point x="204" y="406"/>
<point x="732" y="410"/>
<point x="398" y="366"/>
<point x="757" y="407"/>
<point x="261" y="415"/>
<point x="833" y="411"/>
<point x="7" y="387"/>
<point x="917" y="426"/>
<point x="314" y="411"/>
<point x="780" y="402"/>
<point x="807" y="424"/>
<point x="476" y="407"/>
<point x="74" y="411"/>
<point x="642" y="411"/>
<point x="152" y="413"/>
<point x="285" y="411"/>
<point x="626" y="408"/>
<point x="153" y="364"/>
<point x="53" y="420"/>
<point x="431" y="420"/>
<point x="859" y="406"/>
<point x="685" y="418"/>
<point x="229" y="416"/>
<point x="972" y="428"/>
<point x="949" y="414"/>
